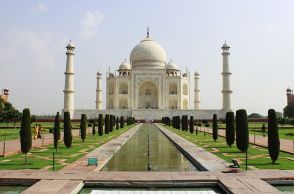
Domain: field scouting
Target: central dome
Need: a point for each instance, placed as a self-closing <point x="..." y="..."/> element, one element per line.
<point x="148" y="54"/>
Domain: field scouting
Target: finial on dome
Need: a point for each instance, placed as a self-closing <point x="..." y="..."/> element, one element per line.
<point x="171" y="60"/>
<point x="148" y="32"/>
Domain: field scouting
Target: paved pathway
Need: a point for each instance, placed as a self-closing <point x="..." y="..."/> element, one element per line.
<point x="13" y="146"/>
<point x="286" y="145"/>
<point x="249" y="182"/>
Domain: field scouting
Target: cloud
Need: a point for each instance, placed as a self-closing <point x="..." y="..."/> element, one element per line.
<point x="40" y="8"/>
<point x="90" y="23"/>
<point x="27" y="49"/>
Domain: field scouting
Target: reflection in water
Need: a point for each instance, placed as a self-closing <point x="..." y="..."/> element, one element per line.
<point x="164" y="156"/>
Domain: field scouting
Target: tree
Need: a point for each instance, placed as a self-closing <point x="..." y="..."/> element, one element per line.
<point x="67" y="135"/>
<point x="185" y="123"/>
<point x="107" y="124"/>
<point x="122" y="122"/>
<point x="56" y="131"/>
<point x="111" y="123"/>
<point x="289" y="110"/>
<point x="255" y="116"/>
<point x="1" y="106"/>
<point x="100" y="125"/>
<point x="242" y="133"/>
<point x="283" y="121"/>
<point x="263" y="129"/>
<point x="93" y="127"/>
<point x="26" y="133"/>
<point x="191" y="124"/>
<point x="214" y="127"/>
<point x="117" y="123"/>
<point x="83" y="126"/>
<point x="9" y="113"/>
<point x="230" y="128"/>
<point x="273" y="136"/>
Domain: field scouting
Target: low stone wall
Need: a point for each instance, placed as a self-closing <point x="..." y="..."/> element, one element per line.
<point x="152" y="114"/>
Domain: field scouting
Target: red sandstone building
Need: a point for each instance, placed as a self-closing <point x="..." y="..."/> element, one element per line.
<point x="4" y="95"/>
<point x="290" y="96"/>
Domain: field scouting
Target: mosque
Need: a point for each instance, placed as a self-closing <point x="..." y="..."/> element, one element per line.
<point x="147" y="87"/>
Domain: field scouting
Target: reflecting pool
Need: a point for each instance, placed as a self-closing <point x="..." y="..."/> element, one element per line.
<point x="12" y="189"/>
<point x="149" y="149"/>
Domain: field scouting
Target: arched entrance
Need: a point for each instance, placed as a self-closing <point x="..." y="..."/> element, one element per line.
<point x="148" y="96"/>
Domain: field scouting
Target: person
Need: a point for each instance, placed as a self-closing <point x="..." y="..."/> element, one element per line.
<point x="39" y="132"/>
<point x="36" y="131"/>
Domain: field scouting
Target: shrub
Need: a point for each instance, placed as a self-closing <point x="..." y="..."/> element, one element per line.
<point x="117" y="123"/>
<point x="111" y="123"/>
<point x="83" y="126"/>
<point x="25" y="133"/>
<point x="122" y="122"/>
<point x="107" y="124"/>
<point x="242" y="134"/>
<point x="214" y="127"/>
<point x="67" y="137"/>
<point x="273" y="136"/>
<point x="191" y="125"/>
<point x="100" y="124"/>
<point x="56" y="131"/>
<point x="230" y="128"/>
<point x="185" y="123"/>
<point x="93" y="127"/>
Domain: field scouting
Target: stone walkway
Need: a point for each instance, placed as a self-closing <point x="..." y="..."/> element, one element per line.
<point x="286" y="145"/>
<point x="13" y="146"/>
<point x="246" y="182"/>
<point x="204" y="159"/>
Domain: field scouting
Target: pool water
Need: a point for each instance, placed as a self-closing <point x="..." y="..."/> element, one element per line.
<point x="12" y="189"/>
<point x="163" y="155"/>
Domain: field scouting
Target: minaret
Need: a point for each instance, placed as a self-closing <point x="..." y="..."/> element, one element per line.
<point x="99" y="91"/>
<point x="196" y="92"/>
<point x="69" y="81"/>
<point x="226" y="78"/>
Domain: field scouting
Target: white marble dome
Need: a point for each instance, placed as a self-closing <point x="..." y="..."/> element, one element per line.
<point x="171" y="66"/>
<point x="124" y="66"/>
<point x="148" y="54"/>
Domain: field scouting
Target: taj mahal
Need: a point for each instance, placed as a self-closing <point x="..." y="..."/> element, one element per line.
<point x="148" y="86"/>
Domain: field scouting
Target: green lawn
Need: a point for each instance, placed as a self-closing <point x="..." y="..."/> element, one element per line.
<point x="13" y="133"/>
<point x="255" y="128"/>
<point x="258" y="156"/>
<point x="41" y="158"/>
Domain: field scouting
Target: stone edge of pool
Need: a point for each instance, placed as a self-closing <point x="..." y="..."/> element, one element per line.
<point x="203" y="159"/>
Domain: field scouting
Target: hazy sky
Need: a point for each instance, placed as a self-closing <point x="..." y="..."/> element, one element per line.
<point x="34" y="34"/>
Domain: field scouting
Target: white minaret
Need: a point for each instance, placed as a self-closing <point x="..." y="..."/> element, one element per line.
<point x="99" y="91"/>
<point x="196" y="92"/>
<point x="226" y="78"/>
<point x="69" y="81"/>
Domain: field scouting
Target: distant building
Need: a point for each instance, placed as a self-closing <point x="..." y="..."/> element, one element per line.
<point x="290" y="96"/>
<point x="4" y="95"/>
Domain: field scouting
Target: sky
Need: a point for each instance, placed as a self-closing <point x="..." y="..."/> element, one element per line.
<point x="34" y="35"/>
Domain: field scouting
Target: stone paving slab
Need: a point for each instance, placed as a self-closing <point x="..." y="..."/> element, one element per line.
<point x="55" y="187"/>
<point x="103" y="153"/>
<point x="204" y="158"/>
<point x="248" y="186"/>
